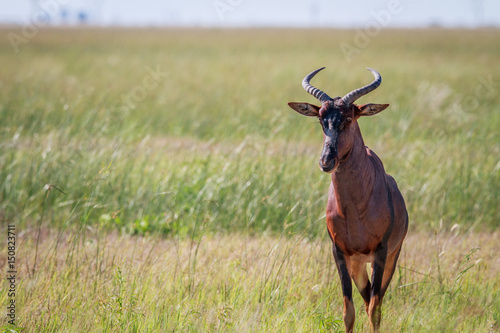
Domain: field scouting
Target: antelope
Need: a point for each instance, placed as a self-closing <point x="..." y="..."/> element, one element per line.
<point x="366" y="215"/>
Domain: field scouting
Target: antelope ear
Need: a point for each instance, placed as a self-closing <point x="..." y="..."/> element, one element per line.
<point x="305" y="109"/>
<point x="370" y="109"/>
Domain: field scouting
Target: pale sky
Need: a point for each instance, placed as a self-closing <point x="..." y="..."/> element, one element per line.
<point x="243" y="13"/>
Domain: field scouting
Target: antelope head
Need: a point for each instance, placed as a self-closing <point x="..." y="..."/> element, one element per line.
<point x="338" y="118"/>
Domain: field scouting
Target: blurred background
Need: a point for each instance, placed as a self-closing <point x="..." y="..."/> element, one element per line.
<point x="251" y="13"/>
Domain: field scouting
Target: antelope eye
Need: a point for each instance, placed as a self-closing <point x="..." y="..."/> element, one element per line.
<point x="349" y="119"/>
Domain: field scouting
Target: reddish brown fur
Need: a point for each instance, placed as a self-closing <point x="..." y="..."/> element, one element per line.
<point x="358" y="210"/>
<point x="366" y="214"/>
<point x="359" y="217"/>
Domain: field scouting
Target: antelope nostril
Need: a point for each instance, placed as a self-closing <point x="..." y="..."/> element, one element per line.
<point x="326" y="164"/>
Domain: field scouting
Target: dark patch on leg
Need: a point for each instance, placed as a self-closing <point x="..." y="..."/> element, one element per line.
<point x="345" y="280"/>
<point x="379" y="261"/>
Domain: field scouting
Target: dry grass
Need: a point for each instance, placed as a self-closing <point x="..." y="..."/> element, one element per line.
<point x="112" y="283"/>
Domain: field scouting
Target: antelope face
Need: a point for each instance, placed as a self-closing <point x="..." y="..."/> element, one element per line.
<point x="337" y="117"/>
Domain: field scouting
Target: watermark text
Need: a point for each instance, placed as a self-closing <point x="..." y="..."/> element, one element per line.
<point x="11" y="274"/>
<point x="48" y="9"/>
<point x="224" y="6"/>
<point x="137" y="94"/>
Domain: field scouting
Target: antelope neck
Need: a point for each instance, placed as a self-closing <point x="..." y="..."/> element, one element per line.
<point x="353" y="181"/>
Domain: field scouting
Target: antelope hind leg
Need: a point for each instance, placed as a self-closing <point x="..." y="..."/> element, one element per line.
<point x="378" y="267"/>
<point x="390" y="267"/>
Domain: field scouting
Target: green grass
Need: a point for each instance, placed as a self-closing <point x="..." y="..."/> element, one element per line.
<point x="210" y="152"/>
<point x="217" y="122"/>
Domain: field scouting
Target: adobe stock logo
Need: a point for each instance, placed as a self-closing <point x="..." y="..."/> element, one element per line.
<point x="48" y="9"/>
<point x="485" y="88"/>
<point x="362" y="37"/>
<point x="223" y="6"/>
<point x="137" y="94"/>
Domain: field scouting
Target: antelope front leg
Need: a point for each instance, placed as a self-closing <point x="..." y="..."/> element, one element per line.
<point x="343" y="266"/>
<point x="375" y="307"/>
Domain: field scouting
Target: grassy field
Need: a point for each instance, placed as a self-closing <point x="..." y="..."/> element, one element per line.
<point x="236" y="283"/>
<point x="159" y="182"/>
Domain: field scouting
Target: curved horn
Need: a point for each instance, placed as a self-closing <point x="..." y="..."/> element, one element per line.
<point x="357" y="93"/>
<point x="321" y="96"/>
